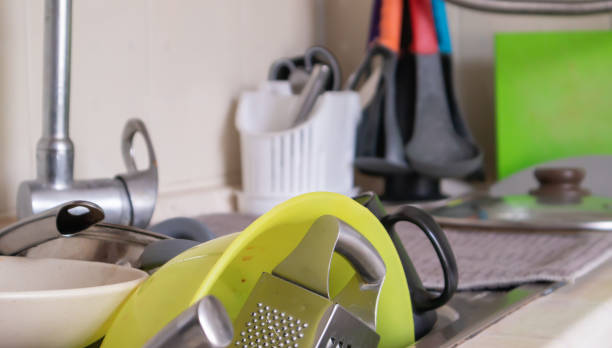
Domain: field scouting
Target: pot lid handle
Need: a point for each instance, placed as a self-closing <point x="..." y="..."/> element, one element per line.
<point x="559" y="185"/>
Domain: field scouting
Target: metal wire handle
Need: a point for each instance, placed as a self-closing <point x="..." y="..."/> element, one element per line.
<point x="567" y="7"/>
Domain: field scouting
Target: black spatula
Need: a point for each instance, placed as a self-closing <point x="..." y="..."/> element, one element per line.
<point x="386" y="46"/>
<point x="436" y="148"/>
<point x="444" y="44"/>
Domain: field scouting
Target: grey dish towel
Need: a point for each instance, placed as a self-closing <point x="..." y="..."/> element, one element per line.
<point x="497" y="259"/>
<point x="485" y="259"/>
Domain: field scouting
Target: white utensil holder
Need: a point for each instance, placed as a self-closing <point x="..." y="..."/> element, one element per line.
<point x="280" y="161"/>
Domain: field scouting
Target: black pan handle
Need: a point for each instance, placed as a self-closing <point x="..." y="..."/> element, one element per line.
<point x="422" y="300"/>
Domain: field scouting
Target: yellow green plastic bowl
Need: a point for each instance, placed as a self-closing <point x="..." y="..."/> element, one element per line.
<point x="229" y="267"/>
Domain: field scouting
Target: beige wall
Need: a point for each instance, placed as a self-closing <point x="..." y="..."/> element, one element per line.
<point x="177" y="64"/>
<point x="180" y="64"/>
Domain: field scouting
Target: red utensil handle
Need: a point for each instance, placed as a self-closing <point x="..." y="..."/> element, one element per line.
<point x="424" y="39"/>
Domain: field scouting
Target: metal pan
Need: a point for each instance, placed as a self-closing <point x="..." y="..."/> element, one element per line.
<point x="74" y="231"/>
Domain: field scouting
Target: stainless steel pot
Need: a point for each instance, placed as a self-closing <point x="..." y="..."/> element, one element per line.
<point x="74" y="231"/>
<point x="101" y="242"/>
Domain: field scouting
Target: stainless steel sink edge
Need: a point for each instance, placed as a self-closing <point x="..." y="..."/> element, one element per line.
<point x="471" y="312"/>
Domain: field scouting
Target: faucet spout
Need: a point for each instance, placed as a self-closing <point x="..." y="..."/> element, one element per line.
<point x="55" y="151"/>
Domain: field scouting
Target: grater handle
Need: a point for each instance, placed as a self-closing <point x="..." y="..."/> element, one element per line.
<point x="203" y="325"/>
<point x="309" y="263"/>
<point x="361" y="254"/>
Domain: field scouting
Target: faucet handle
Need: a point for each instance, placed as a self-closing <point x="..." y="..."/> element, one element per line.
<point x="141" y="185"/>
<point x="132" y="127"/>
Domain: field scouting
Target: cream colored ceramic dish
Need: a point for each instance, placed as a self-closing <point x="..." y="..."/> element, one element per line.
<point x="60" y="303"/>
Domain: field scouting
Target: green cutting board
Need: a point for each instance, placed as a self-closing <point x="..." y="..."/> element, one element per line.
<point x="553" y="97"/>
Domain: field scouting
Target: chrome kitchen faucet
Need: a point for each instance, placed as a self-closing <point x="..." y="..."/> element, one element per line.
<point x="127" y="199"/>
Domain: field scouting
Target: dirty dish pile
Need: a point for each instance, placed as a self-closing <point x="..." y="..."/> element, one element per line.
<point x="229" y="268"/>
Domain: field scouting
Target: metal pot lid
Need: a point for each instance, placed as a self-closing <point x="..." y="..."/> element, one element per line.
<point x="559" y="203"/>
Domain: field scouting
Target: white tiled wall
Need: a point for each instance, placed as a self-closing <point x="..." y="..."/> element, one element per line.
<point x="180" y="64"/>
<point x="177" y="64"/>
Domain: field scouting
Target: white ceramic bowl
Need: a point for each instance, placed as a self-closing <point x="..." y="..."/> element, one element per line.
<point x="60" y="303"/>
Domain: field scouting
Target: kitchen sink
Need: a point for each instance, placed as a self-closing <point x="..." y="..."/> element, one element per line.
<point x="470" y="312"/>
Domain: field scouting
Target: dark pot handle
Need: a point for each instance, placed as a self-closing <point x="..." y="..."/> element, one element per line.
<point x="184" y="228"/>
<point x="422" y="299"/>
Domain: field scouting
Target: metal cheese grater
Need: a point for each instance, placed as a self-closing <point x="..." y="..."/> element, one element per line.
<point x="291" y="306"/>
